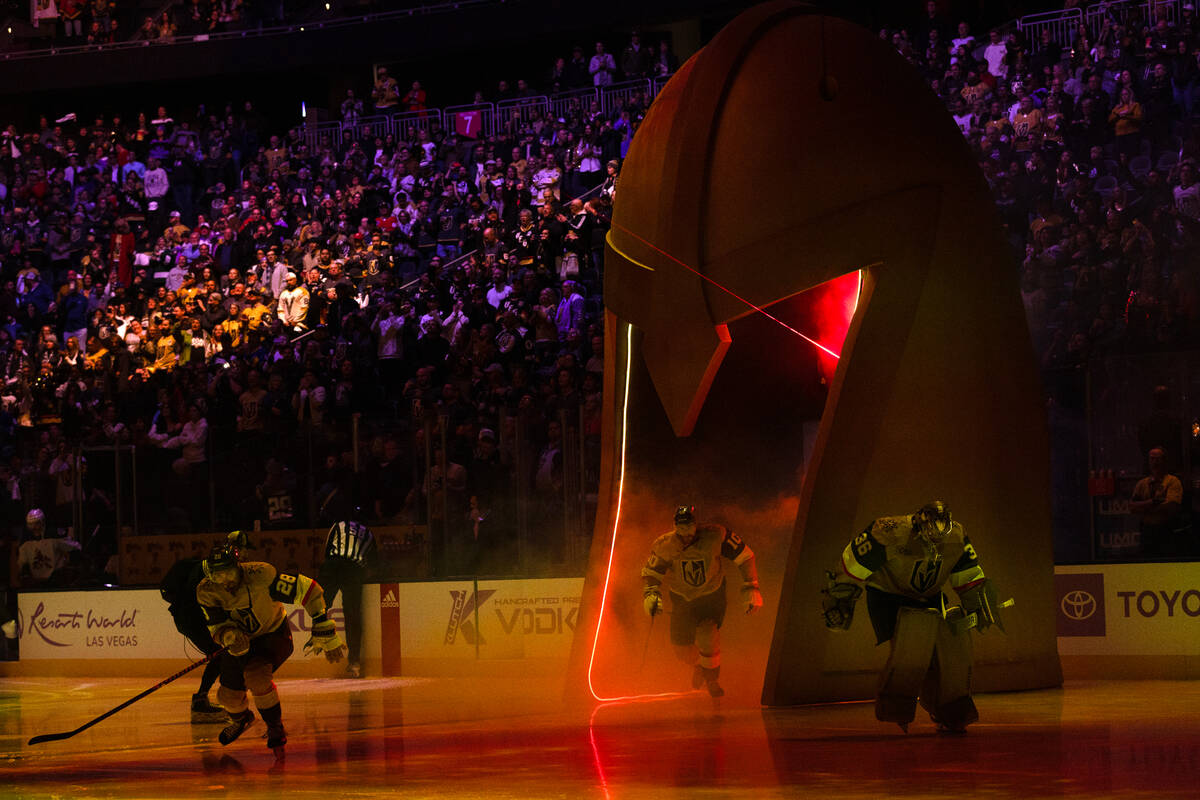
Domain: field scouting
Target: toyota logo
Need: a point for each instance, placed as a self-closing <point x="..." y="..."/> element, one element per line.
<point x="1078" y="605"/>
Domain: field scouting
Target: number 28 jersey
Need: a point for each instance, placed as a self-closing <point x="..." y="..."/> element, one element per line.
<point x="256" y="606"/>
<point x="695" y="570"/>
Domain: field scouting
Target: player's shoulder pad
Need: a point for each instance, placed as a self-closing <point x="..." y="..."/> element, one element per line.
<point x="258" y="573"/>
<point x="208" y="593"/>
<point x="667" y="543"/>
<point x="892" y="530"/>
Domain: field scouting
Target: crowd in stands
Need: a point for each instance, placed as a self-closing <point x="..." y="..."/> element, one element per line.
<point x="411" y="326"/>
<point x="1090" y="145"/>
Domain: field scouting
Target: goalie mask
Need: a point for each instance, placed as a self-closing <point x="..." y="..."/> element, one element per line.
<point x="933" y="522"/>
<point x="223" y="566"/>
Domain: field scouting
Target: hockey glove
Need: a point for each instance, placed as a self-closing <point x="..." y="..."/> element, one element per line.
<point x="983" y="601"/>
<point x="837" y="603"/>
<point x="325" y="640"/>
<point x="653" y="602"/>
<point x="752" y="597"/>
<point x="235" y="641"/>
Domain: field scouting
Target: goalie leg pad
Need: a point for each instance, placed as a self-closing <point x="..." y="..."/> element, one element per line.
<point x="946" y="694"/>
<point x="954" y="665"/>
<point x="955" y="716"/>
<point x="232" y="700"/>
<point x="912" y="648"/>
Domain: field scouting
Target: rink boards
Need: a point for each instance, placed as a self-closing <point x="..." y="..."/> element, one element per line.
<point x="427" y="628"/>
<point x="1129" y="620"/>
<point x="1113" y="621"/>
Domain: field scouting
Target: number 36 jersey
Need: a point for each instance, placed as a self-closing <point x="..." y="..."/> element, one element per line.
<point x="256" y="606"/>
<point x="695" y="570"/>
<point x="889" y="556"/>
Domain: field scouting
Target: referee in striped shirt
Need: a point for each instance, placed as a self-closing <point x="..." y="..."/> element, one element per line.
<point x="349" y="551"/>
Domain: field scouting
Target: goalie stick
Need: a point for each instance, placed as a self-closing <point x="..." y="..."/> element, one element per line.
<point x="54" y="737"/>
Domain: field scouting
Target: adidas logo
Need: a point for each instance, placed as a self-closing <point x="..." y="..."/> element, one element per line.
<point x="389" y="600"/>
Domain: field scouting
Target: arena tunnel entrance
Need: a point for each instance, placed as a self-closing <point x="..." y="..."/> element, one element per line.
<point x="742" y="467"/>
<point x="731" y="203"/>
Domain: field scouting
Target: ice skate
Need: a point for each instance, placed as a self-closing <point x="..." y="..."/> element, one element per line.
<point x="706" y="678"/>
<point x="237" y="727"/>
<point x="353" y="671"/>
<point x="946" y="729"/>
<point x="276" y="739"/>
<point x="205" y="711"/>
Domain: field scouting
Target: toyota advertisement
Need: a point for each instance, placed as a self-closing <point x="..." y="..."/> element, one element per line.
<point x="1128" y="609"/>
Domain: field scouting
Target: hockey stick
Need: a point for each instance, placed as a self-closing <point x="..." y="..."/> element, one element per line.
<point x="54" y="737"/>
<point x="646" y="646"/>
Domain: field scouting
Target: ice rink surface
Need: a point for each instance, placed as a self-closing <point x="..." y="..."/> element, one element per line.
<point x="465" y="738"/>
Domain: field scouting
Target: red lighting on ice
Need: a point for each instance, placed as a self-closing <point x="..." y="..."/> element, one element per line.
<point x="833" y="307"/>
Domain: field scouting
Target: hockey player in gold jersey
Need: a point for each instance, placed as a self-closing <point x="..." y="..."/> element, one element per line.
<point x="243" y="606"/>
<point x="687" y="560"/>
<point x="903" y="563"/>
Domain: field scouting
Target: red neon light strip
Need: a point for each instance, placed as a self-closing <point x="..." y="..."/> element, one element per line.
<point x="612" y="546"/>
<point x="729" y="292"/>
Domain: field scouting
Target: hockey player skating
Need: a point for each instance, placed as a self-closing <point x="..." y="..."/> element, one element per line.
<point x="349" y="549"/>
<point x="903" y="563"/>
<point x="688" y="561"/>
<point x="243" y="606"/>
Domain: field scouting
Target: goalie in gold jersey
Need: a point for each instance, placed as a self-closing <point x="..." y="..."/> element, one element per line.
<point x="903" y="563"/>
<point x="688" y="561"/>
<point x="243" y="607"/>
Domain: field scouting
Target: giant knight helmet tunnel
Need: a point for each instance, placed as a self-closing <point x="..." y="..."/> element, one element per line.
<point x="794" y="149"/>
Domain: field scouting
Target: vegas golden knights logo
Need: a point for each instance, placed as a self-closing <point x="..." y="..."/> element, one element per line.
<point x="924" y="574"/>
<point x="693" y="573"/>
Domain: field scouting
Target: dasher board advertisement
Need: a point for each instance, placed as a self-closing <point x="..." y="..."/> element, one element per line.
<point x="1128" y="609"/>
<point x="118" y="624"/>
<point x="491" y="619"/>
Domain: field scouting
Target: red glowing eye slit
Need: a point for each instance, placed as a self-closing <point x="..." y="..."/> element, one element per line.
<point x="732" y="293"/>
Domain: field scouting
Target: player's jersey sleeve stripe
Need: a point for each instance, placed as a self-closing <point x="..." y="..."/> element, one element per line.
<point x="744" y="556"/>
<point x="851" y="566"/>
<point x="968" y="557"/>
<point x="732" y="546"/>
<point x="960" y="580"/>
<point x="307" y="584"/>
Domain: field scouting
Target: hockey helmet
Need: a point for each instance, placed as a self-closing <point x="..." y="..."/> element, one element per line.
<point x="685" y="514"/>
<point x="35" y="520"/>
<point x="933" y="521"/>
<point x="223" y="564"/>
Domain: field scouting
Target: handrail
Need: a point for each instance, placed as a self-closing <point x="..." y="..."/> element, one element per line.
<point x="254" y="33"/>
